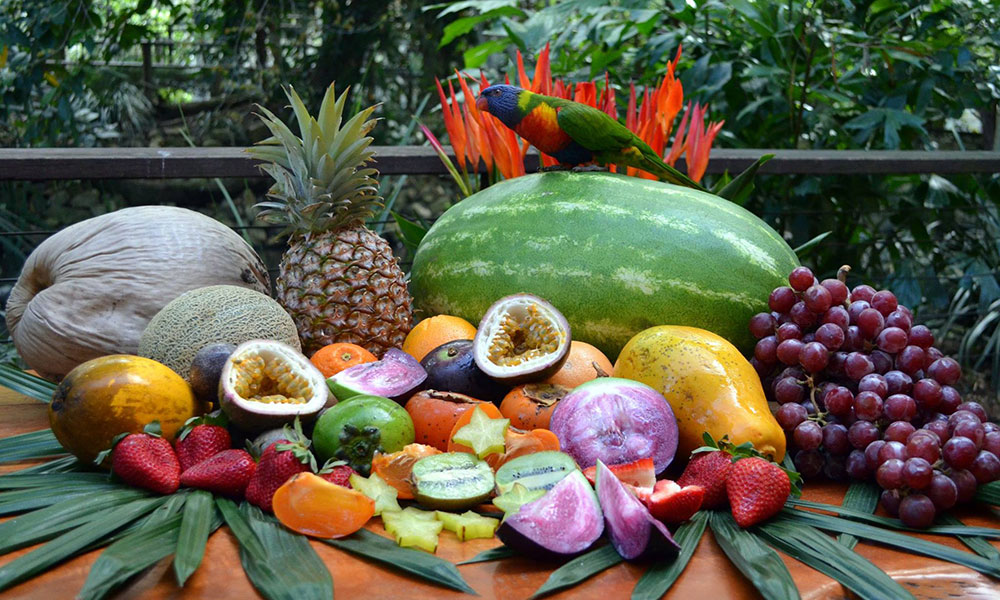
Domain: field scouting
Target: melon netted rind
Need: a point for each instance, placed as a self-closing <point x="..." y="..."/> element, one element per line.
<point x="214" y="314"/>
<point x="91" y="289"/>
<point x="614" y="254"/>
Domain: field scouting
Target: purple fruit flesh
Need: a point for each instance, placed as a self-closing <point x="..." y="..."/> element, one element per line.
<point x="396" y="376"/>
<point x="633" y="531"/>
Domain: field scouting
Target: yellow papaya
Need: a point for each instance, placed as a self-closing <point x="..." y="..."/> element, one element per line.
<point x="709" y="386"/>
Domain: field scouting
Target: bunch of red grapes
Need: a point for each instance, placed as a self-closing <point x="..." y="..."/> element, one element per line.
<point x="863" y="393"/>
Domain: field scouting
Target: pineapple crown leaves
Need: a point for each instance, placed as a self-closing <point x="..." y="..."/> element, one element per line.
<point x="746" y="450"/>
<point x="320" y="178"/>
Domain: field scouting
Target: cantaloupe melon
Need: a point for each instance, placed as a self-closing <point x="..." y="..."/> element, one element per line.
<point x="215" y="314"/>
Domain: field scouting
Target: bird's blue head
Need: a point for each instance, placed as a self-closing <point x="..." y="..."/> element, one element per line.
<point x="501" y="101"/>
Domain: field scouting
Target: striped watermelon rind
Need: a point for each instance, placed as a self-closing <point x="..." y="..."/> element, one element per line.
<point x="614" y="254"/>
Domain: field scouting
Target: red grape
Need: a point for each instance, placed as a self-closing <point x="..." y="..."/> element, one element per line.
<point x="782" y="299"/>
<point x="837" y="315"/>
<point x="921" y="336"/>
<point x="890" y="474"/>
<point x="808" y="435"/>
<point x="986" y="467"/>
<point x="862" y="433"/>
<point x="942" y="491"/>
<point x="871" y="454"/>
<point x="868" y="406"/>
<point x="910" y="359"/>
<point x="930" y="355"/>
<point x="790" y="415"/>
<point x="853" y="340"/>
<point x="917" y="473"/>
<point x="927" y="393"/>
<point x="892" y="450"/>
<point x="870" y="322"/>
<point x="975" y="408"/>
<point x="835" y="366"/>
<point x="990" y="427"/>
<point x="884" y="302"/>
<point x="898" y="431"/>
<point x="962" y="415"/>
<point x="766" y="350"/>
<point x="881" y="360"/>
<point x="762" y="324"/>
<point x="857" y="466"/>
<point x="862" y="292"/>
<point x="898" y="382"/>
<point x="817" y="299"/>
<point x="959" y="452"/>
<point x="891" y="340"/>
<point x="801" y="278"/>
<point x="838" y="291"/>
<point x="950" y="400"/>
<point x="788" y="331"/>
<point x="830" y="335"/>
<point x="899" y="407"/>
<point x="854" y="310"/>
<point x="917" y="511"/>
<point x="945" y="370"/>
<point x="835" y="468"/>
<point x="813" y="357"/>
<point x="991" y="442"/>
<point x="890" y="500"/>
<point x="969" y="429"/>
<point x="809" y="463"/>
<point x="940" y="428"/>
<point x="923" y="446"/>
<point x="966" y="483"/>
<point x="787" y="389"/>
<point x="900" y="319"/>
<point x="857" y="365"/>
<point x="788" y="351"/>
<point x="838" y="400"/>
<point x="873" y="382"/>
<point x="835" y="439"/>
<point x="802" y="316"/>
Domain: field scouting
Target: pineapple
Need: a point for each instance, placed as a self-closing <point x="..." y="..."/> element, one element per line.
<point x="338" y="279"/>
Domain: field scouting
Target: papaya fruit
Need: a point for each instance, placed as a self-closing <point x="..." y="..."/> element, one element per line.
<point x="710" y="386"/>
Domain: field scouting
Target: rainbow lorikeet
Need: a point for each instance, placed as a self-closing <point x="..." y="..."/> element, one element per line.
<point x="574" y="133"/>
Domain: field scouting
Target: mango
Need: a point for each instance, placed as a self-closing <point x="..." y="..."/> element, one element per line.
<point x="709" y="386"/>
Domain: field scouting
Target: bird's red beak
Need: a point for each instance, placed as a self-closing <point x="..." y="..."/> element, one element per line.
<point x="483" y="104"/>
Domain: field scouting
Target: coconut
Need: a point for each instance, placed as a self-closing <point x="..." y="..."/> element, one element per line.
<point x="217" y="314"/>
<point x="90" y="289"/>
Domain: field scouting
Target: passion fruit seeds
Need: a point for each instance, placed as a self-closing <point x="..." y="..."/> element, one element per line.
<point x="520" y="338"/>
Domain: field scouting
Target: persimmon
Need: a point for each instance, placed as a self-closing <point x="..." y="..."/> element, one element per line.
<point x="584" y="363"/>
<point x="434" y="415"/>
<point x="491" y="411"/>
<point x="430" y="333"/>
<point x="395" y="468"/>
<point x="530" y="406"/>
<point x="519" y="442"/>
<point x="310" y="505"/>
<point x="334" y="358"/>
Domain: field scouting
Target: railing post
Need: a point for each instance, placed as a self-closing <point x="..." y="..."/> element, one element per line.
<point x="147" y="70"/>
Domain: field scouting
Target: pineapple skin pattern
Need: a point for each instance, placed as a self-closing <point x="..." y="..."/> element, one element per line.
<point x="338" y="279"/>
<point x="345" y="286"/>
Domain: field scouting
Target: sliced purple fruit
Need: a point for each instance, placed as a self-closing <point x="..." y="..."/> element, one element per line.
<point x="396" y="377"/>
<point x="563" y="523"/>
<point x="521" y="338"/>
<point x="633" y="531"/>
<point x="452" y="367"/>
<point x="615" y="421"/>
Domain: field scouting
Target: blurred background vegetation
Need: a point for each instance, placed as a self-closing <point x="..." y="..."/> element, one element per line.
<point x="808" y="74"/>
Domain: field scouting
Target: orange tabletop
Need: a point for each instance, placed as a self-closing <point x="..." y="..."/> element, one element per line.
<point x="709" y="575"/>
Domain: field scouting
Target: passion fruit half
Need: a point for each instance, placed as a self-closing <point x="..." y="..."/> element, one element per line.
<point x="522" y="338"/>
<point x="266" y="384"/>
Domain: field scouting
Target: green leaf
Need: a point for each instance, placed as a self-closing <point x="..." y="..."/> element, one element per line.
<point x="759" y="563"/>
<point x="423" y="565"/>
<point x="196" y="526"/>
<point x="16" y="481"/>
<point x="412" y="233"/>
<point x="49" y="522"/>
<point x="19" y="501"/>
<point x="30" y="385"/>
<point x="887" y="537"/>
<point x="976" y="544"/>
<point x="819" y="551"/>
<point x="474" y="57"/>
<point x="807" y="247"/>
<point x="579" y="569"/>
<point x="57" y="465"/>
<point x="861" y="496"/>
<point x="466" y="24"/>
<point x="738" y="190"/>
<point x="865" y="517"/>
<point x="498" y="553"/>
<point x="128" y="556"/>
<point x="280" y="564"/>
<point x="989" y="493"/>
<point x="37" y="444"/>
<point x="661" y="576"/>
<point x="72" y="542"/>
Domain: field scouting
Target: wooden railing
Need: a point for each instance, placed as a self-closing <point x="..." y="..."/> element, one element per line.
<point x="174" y="163"/>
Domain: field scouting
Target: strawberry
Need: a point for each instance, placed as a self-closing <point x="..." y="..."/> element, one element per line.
<point x="757" y="490"/>
<point x="280" y="460"/>
<point x="201" y="442"/>
<point x="672" y="503"/>
<point x="338" y="472"/>
<point x="227" y="473"/>
<point x="148" y="461"/>
<point x="638" y="474"/>
<point x="709" y="471"/>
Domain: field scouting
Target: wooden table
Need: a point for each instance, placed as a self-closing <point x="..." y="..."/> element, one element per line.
<point x="709" y="575"/>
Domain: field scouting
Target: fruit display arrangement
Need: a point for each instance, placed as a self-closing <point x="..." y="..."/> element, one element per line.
<point x="584" y="409"/>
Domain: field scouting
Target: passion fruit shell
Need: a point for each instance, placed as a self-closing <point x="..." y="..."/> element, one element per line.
<point x="266" y="384"/>
<point x="521" y="338"/>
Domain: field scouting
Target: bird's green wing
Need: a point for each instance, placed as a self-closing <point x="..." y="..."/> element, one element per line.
<point x="593" y="129"/>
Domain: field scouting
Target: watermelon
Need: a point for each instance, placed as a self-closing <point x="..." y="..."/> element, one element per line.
<point x="614" y="254"/>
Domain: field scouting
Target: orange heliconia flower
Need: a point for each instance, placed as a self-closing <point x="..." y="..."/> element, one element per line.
<point x="479" y="136"/>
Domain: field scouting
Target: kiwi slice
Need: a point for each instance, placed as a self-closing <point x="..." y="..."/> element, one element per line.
<point x="537" y="471"/>
<point x="451" y="481"/>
